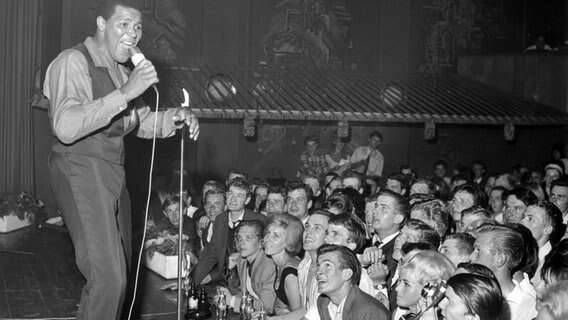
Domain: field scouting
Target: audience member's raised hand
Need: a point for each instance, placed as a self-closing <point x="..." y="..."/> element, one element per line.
<point x="378" y="272"/>
<point x="204" y="222"/>
<point x="370" y="256"/>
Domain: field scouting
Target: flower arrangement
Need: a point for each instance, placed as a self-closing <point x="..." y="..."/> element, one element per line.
<point x="22" y="205"/>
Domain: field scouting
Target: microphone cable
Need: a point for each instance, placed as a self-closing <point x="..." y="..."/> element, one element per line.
<point x="153" y="154"/>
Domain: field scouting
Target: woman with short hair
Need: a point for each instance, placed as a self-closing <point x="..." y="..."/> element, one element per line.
<point x="283" y="243"/>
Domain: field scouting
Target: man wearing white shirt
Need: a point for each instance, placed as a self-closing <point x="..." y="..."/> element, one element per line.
<point x="544" y="220"/>
<point x="500" y="248"/>
<point x="368" y="160"/>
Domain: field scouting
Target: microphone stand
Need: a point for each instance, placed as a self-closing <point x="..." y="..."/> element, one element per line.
<point x="180" y="228"/>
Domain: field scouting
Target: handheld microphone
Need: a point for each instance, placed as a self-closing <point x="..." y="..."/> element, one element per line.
<point x="136" y="55"/>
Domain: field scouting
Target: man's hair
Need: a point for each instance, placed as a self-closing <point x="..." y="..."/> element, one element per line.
<point x="173" y="199"/>
<point x="560" y="182"/>
<point x="440" y="163"/>
<point x="506" y="241"/>
<point x="499" y="188"/>
<point x="553" y="301"/>
<point x="107" y="8"/>
<point x="427" y="233"/>
<point x="428" y="183"/>
<point x="477" y="211"/>
<point x="357" y="200"/>
<point x="353" y="225"/>
<point x="464" y="242"/>
<point x="524" y="195"/>
<point x="481" y="295"/>
<point x="442" y="188"/>
<point x="241" y="184"/>
<point x="376" y="134"/>
<point x="480" y="163"/>
<point x="402" y="206"/>
<point x="435" y="210"/>
<point x="281" y="190"/>
<point x="214" y="192"/>
<point x="322" y="212"/>
<point x="297" y="185"/>
<point x="462" y="177"/>
<point x="238" y="171"/>
<point x="292" y="227"/>
<point x="256" y="224"/>
<point x="214" y="184"/>
<point x="553" y="218"/>
<point x="313" y="177"/>
<point x="555" y="265"/>
<point x="476" y="268"/>
<point x="478" y="195"/>
<point x="338" y="201"/>
<point x="408" y="247"/>
<point x="355" y="175"/>
<point x="346" y="258"/>
<point x="311" y="138"/>
<point x="263" y="184"/>
<point x="401" y="178"/>
<point x="529" y="262"/>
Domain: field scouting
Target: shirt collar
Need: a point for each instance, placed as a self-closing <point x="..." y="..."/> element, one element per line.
<point x="239" y="219"/>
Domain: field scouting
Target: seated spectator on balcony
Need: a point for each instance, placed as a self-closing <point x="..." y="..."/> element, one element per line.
<point x="312" y="159"/>
<point x="539" y="44"/>
<point x="339" y="159"/>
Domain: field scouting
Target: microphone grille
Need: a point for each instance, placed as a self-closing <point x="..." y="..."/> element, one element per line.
<point x="136" y="55"/>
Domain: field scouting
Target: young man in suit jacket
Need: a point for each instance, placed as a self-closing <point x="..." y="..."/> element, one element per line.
<point x="338" y="274"/>
<point x="217" y="252"/>
<point x="257" y="271"/>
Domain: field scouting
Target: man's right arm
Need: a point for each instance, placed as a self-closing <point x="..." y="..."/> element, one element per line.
<point x="73" y="112"/>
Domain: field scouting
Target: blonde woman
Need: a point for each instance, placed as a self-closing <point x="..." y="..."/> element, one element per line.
<point x="283" y="244"/>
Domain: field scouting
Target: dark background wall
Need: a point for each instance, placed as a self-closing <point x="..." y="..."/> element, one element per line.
<point x="391" y="37"/>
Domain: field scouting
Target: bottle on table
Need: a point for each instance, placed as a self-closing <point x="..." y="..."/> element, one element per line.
<point x="203" y="305"/>
<point x="192" y="303"/>
<point x="249" y="308"/>
<point x="242" y="315"/>
<point x="221" y="310"/>
<point x="262" y="314"/>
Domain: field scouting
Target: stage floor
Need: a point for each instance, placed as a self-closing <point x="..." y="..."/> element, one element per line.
<point x="39" y="279"/>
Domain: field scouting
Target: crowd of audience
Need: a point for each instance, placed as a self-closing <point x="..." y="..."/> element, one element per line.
<point x="341" y="244"/>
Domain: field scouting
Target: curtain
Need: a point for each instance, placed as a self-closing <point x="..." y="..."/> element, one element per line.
<point x="20" y="56"/>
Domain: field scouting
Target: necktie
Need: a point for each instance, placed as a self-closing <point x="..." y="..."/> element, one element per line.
<point x="249" y="268"/>
<point x="408" y="316"/>
<point x="377" y="243"/>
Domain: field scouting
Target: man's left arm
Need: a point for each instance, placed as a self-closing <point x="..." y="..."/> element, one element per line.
<point x="167" y="122"/>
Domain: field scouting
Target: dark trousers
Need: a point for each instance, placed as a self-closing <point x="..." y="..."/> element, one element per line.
<point x="92" y="197"/>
